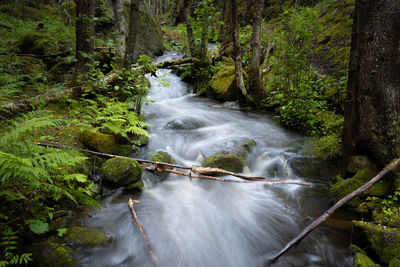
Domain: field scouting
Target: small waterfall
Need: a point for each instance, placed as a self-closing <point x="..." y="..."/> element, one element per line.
<point x="208" y="223"/>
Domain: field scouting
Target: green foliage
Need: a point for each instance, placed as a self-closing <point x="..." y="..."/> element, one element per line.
<point x="205" y="21"/>
<point x="35" y="180"/>
<point x="386" y="210"/>
<point x="9" y="243"/>
<point x="108" y="116"/>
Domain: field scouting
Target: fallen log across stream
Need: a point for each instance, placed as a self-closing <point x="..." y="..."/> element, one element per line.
<point x="391" y="168"/>
<point x="163" y="167"/>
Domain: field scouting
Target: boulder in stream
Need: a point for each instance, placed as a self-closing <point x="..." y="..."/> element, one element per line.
<point x="120" y="172"/>
<point x="225" y="161"/>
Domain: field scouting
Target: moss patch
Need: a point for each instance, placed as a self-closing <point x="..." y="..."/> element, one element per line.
<point x="223" y="85"/>
<point x="120" y="172"/>
<point x="384" y="241"/>
<point x="34" y="43"/>
<point x="105" y="143"/>
<point x="346" y="186"/>
<point x="87" y="237"/>
<point x="50" y="254"/>
<point x="225" y="161"/>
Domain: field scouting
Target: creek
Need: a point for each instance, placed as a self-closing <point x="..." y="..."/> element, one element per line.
<point x="210" y="223"/>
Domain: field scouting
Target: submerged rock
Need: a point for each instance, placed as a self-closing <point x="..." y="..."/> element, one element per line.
<point x="384" y="241"/>
<point x="87" y="237"/>
<point x="180" y="124"/>
<point x="120" y="172"/>
<point x="51" y="254"/>
<point x="105" y="143"/>
<point x="225" y="161"/>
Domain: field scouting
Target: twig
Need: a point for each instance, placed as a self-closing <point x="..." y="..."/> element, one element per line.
<point x="394" y="166"/>
<point x="194" y="169"/>
<point x="135" y="218"/>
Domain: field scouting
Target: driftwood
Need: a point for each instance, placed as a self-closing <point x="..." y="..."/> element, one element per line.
<point x="169" y="64"/>
<point x="160" y="167"/>
<point x="135" y="218"/>
<point x="393" y="167"/>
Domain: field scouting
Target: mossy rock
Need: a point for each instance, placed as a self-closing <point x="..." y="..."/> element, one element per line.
<point x="362" y="260"/>
<point x="225" y="161"/>
<point x="162" y="156"/>
<point x="105" y="143"/>
<point x="87" y="237"/>
<point x="359" y="162"/>
<point x="120" y="172"/>
<point x="34" y="42"/>
<point x="135" y="187"/>
<point x="346" y="186"/>
<point x="49" y="254"/>
<point x="384" y="241"/>
<point x="223" y="85"/>
<point x="149" y="37"/>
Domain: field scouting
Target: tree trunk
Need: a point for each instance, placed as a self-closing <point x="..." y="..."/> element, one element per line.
<point x="186" y="10"/>
<point x="238" y="53"/>
<point x="254" y="72"/>
<point x="84" y="34"/>
<point x="120" y="23"/>
<point x="132" y="36"/>
<point x="372" y="105"/>
<point x="227" y="27"/>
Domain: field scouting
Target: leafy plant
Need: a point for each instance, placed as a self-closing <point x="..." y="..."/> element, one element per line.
<point x="36" y="180"/>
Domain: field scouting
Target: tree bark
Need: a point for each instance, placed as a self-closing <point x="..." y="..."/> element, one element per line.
<point x="84" y="34"/>
<point x="254" y="71"/>
<point x="132" y="36"/>
<point x="120" y="23"/>
<point x="186" y="10"/>
<point x="372" y="105"/>
<point x="238" y="53"/>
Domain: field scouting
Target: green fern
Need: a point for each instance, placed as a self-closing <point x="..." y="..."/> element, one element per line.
<point x="44" y="178"/>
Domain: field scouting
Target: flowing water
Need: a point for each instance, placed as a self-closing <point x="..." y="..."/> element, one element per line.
<point x="210" y="223"/>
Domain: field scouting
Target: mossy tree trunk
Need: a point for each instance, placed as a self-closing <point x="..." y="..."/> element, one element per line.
<point x="372" y="105"/>
<point x="134" y="19"/>
<point x="238" y="53"/>
<point x="84" y="34"/>
<point x="254" y="71"/>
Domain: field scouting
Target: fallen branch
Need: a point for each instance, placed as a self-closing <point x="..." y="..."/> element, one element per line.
<point x="134" y="215"/>
<point x="393" y="167"/>
<point x="193" y="170"/>
<point x="167" y="64"/>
